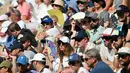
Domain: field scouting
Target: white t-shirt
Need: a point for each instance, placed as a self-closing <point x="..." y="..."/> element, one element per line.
<point x="81" y="69"/>
<point x="21" y="24"/>
<point x="105" y="52"/>
<point x="39" y="12"/>
<point x="46" y="71"/>
<point x="57" y="62"/>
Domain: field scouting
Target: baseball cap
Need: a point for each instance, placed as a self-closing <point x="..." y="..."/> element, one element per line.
<point x="22" y="59"/>
<point x="46" y="19"/>
<point x="16" y="45"/>
<point x="80" y="35"/>
<point x="39" y="57"/>
<point x="74" y="57"/>
<point x="64" y="39"/>
<point x="3" y="17"/>
<point x="93" y="15"/>
<point x="124" y="50"/>
<point x="85" y="1"/>
<point x="6" y="63"/>
<point x="5" y="25"/>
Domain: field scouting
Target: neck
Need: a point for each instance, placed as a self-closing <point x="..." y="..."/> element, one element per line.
<point x="95" y="64"/>
<point x="40" y="68"/>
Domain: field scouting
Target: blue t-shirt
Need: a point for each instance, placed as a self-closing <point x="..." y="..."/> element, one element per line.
<point x="101" y="67"/>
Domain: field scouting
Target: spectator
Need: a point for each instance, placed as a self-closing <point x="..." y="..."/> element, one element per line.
<point x="64" y="51"/>
<point x="82" y="5"/>
<point x="93" y="59"/>
<point x="123" y="56"/>
<point x="13" y="31"/>
<point x="24" y="9"/>
<point x="47" y="4"/>
<point x="75" y="63"/>
<point x="39" y="62"/>
<point x="16" y="48"/>
<point x="23" y="65"/>
<point x="5" y="67"/>
<point x="15" y="16"/>
<point x="123" y="16"/>
<point x="38" y="11"/>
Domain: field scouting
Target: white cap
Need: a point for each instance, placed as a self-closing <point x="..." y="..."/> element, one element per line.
<point x="64" y="39"/>
<point x="124" y="50"/>
<point x="3" y="17"/>
<point x="5" y="25"/>
<point x="39" y="57"/>
<point x="107" y="32"/>
<point x="79" y="15"/>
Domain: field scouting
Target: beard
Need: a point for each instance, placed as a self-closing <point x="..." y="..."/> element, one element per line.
<point x="94" y="26"/>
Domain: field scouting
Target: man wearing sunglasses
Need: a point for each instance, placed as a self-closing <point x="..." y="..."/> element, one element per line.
<point x="82" y="5"/>
<point x="93" y="60"/>
<point x="124" y="59"/>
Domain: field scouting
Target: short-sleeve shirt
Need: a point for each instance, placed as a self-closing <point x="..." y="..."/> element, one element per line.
<point x="101" y="67"/>
<point x="25" y="10"/>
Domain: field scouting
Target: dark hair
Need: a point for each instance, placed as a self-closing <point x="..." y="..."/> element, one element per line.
<point x="101" y="2"/>
<point x="13" y="27"/>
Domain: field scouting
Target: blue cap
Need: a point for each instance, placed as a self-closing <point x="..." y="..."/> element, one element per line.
<point x="81" y="35"/>
<point x="46" y="19"/>
<point x="74" y="57"/>
<point x="22" y="59"/>
<point x="16" y="45"/>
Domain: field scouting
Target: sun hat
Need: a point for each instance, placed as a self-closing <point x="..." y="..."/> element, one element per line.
<point x="58" y="2"/>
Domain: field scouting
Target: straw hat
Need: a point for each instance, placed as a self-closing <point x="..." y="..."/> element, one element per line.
<point x="58" y="2"/>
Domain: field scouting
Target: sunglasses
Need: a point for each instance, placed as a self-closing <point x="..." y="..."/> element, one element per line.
<point x="122" y="56"/>
<point x="86" y="59"/>
<point x="56" y="5"/>
<point x="79" y="2"/>
<point x="72" y="63"/>
<point x="44" y="24"/>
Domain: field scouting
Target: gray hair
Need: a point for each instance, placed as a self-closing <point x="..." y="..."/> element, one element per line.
<point x="93" y="53"/>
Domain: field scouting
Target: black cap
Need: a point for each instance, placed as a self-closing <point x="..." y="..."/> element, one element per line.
<point x="80" y="35"/>
<point x="16" y="45"/>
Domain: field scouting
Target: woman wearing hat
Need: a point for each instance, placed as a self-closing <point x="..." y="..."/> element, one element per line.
<point x="64" y="51"/>
<point x="59" y="5"/>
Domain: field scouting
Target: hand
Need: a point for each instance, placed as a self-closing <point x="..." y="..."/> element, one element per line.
<point x="41" y="35"/>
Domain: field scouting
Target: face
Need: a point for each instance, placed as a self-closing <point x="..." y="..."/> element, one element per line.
<point x="107" y="43"/>
<point x="96" y="5"/>
<point x="56" y="7"/>
<point x="38" y="1"/>
<point x="73" y="65"/>
<point x="13" y="16"/>
<point x="124" y="60"/>
<point x="89" y="61"/>
<point x="73" y="22"/>
<point x="81" y="5"/>
<point x="118" y="43"/>
<point x="82" y="43"/>
<point x="47" y="1"/>
<point x="3" y="70"/>
<point x="47" y="26"/>
<point x="62" y="47"/>
<point x="20" y="1"/>
<point x="15" y="33"/>
<point x="94" y="24"/>
<point x="15" y="52"/>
